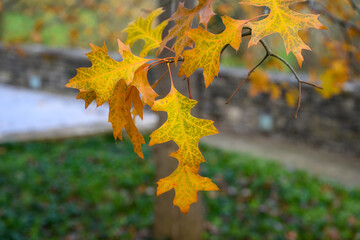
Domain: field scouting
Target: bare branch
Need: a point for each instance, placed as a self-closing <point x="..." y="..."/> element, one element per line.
<point x="188" y="83"/>
<point x="248" y="77"/>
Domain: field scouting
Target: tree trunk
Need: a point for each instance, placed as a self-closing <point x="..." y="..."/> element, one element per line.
<point x="170" y="223"/>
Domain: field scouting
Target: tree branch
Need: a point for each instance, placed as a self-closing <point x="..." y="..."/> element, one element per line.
<point x="270" y="53"/>
<point x="247" y="77"/>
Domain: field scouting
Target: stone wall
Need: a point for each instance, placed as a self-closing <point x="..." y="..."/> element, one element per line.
<point x="333" y="124"/>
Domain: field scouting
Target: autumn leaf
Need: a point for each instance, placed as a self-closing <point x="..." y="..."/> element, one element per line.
<point x="133" y="96"/>
<point x="141" y="29"/>
<point x="208" y="47"/>
<point x="105" y="72"/>
<point x="120" y="115"/>
<point x="186" y="131"/>
<point x="183" y="18"/>
<point x="117" y="109"/>
<point x="284" y="21"/>
<point x="87" y="96"/>
<point x="182" y="128"/>
<point x="186" y="184"/>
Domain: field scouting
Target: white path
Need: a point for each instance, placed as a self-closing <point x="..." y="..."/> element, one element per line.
<point x="35" y="115"/>
<point x="32" y="115"/>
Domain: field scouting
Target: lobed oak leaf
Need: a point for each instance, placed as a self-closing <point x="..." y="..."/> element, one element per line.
<point x="208" y="47"/>
<point x="284" y="21"/>
<point x="186" y="184"/>
<point x="183" y="18"/>
<point x="182" y="128"/>
<point x="141" y="29"/>
<point x="105" y="72"/>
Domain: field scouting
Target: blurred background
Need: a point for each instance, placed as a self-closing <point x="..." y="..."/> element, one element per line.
<point x="62" y="175"/>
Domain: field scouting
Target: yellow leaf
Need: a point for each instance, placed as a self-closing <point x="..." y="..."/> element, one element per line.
<point x="105" y="72"/>
<point x="186" y="131"/>
<point x="141" y="29"/>
<point x="87" y="96"/>
<point x="208" y="47"/>
<point x="186" y="184"/>
<point x="183" y="18"/>
<point x="284" y="21"/>
<point x="182" y="128"/>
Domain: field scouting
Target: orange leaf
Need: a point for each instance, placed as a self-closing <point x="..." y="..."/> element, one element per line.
<point x="142" y="84"/>
<point x="284" y="21"/>
<point x="117" y="109"/>
<point x="133" y="97"/>
<point x="120" y="116"/>
<point x="208" y="47"/>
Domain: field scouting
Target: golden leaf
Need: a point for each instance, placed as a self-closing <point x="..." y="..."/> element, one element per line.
<point x="208" y="47"/>
<point x="186" y="131"/>
<point x="284" y="21"/>
<point x="141" y="29"/>
<point x="186" y="184"/>
<point x="105" y="72"/>
<point x="182" y="128"/>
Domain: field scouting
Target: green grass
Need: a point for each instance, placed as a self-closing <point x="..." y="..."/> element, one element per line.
<point x="96" y="189"/>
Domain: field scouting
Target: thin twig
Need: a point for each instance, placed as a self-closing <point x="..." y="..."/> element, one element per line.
<point x="263" y="43"/>
<point x="157" y="81"/>
<point x="188" y="83"/>
<point x="247" y="77"/>
<point x="169" y="70"/>
<point x="299" y="100"/>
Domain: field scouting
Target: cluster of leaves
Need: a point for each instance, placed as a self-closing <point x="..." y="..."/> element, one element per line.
<point x="124" y="84"/>
<point x="340" y="46"/>
<point x="61" y="190"/>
